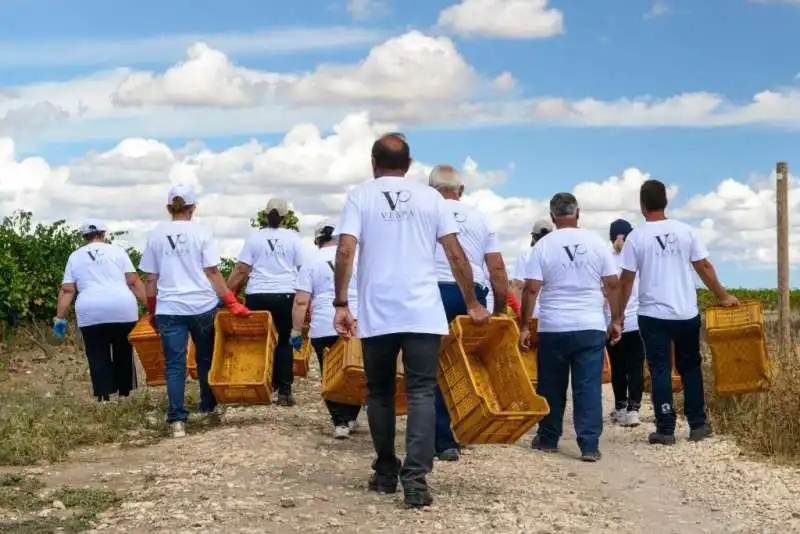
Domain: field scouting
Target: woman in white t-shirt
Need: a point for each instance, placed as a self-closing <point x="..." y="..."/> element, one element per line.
<point x="315" y="287"/>
<point x="108" y="286"/>
<point x="269" y="263"/>
<point x="184" y="287"/>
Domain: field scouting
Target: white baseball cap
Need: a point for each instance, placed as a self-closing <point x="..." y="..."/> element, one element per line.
<point x="90" y="226"/>
<point x="320" y="228"/>
<point x="184" y="191"/>
<point x="540" y="225"/>
<point x="279" y="205"/>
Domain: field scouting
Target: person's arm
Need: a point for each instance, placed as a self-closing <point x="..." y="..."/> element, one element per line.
<point x="239" y="275"/>
<point x="299" y="309"/>
<point x="529" y="295"/>
<point x="462" y="270"/>
<point x="611" y="288"/>
<point x="65" y="295"/>
<point x="630" y="266"/>
<point x="150" y="291"/>
<point x="698" y="255"/>
<point x="137" y="287"/>
<point x="343" y="268"/>
<point x="498" y="278"/>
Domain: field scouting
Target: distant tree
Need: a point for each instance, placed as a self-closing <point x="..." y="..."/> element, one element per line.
<point x="290" y="221"/>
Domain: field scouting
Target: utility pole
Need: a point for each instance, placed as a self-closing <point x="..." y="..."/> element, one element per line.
<point x="782" y="202"/>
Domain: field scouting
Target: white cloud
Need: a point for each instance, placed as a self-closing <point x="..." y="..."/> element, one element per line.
<point x="508" y="19"/>
<point x="161" y="48"/>
<point x="658" y="9"/>
<point x="366" y="9"/>
<point x="313" y="169"/>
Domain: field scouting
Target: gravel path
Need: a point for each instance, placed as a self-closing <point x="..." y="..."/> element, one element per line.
<point x="277" y="470"/>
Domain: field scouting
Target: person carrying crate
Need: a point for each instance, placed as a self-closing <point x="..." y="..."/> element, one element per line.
<point x="480" y="244"/>
<point x="315" y="288"/>
<point x="395" y="223"/>
<point x="573" y="269"/>
<point x="663" y="253"/>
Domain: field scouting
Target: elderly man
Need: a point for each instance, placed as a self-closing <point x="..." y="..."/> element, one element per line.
<point x="661" y="252"/>
<point x="396" y="224"/>
<point x="573" y="268"/>
<point x="481" y="246"/>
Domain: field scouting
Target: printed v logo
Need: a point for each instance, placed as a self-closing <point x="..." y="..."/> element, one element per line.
<point x="272" y="243"/>
<point x="571" y="253"/>
<point x="662" y="242"/>
<point x="173" y="242"/>
<point x="91" y="255"/>
<point x="392" y="201"/>
<point x="330" y="264"/>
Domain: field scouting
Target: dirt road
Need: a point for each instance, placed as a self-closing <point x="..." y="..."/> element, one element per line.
<point x="278" y="470"/>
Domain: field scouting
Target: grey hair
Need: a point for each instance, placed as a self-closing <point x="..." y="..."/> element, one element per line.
<point x="445" y="178"/>
<point x="563" y="205"/>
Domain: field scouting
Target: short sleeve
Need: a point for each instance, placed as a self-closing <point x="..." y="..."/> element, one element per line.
<point x="519" y="268"/>
<point x="698" y="250"/>
<point x="210" y="256"/>
<point x="69" y="275"/>
<point x="246" y="256"/>
<point x="492" y="244"/>
<point x="533" y="267"/>
<point x="149" y="262"/>
<point x="445" y="224"/>
<point x="630" y="262"/>
<point x="124" y="261"/>
<point x="350" y="219"/>
<point x="608" y="265"/>
<point x="304" y="280"/>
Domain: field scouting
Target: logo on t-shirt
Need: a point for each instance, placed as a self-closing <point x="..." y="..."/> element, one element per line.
<point x="276" y="246"/>
<point x="177" y="245"/>
<point x="667" y="244"/>
<point x="575" y="255"/>
<point x="396" y="201"/>
<point x="330" y="264"/>
<point x="95" y="254"/>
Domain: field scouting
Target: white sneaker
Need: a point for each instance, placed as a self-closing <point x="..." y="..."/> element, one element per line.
<point x="178" y="429"/>
<point x="618" y="416"/>
<point x="341" y="432"/>
<point x="352" y="425"/>
<point x="631" y="419"/>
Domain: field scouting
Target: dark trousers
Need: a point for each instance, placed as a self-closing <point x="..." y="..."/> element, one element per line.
<point x="454" y="306"/>
<point x="341" y="413"/>
<point x="280" y="306"/>
<point x="560" y="354"/>
<point x="420" y="359"/>
<point x="627" y="371"/>
<point x="175" y="331"/>
<point x="110" y="358"/>
<point x="685" y="334"/>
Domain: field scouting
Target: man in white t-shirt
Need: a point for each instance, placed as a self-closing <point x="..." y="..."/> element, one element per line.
<point x="480" y="244"/>
<point x="663" y="253"/>
<point x="269" y="262"/>
<point x="395" y="223"/>
<point x="626" y="356"/>
<point x="573" y="268"/>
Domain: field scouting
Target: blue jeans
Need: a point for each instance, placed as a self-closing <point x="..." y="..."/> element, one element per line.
<point x="581" y="354"/>
<point x="175" y="331"/>
<point x="454" y="306"/>
<point x="657" y="334"/>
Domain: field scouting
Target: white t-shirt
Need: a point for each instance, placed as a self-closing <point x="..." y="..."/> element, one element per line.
<point x="520" y="274"/>
<point x="662" y="253"/>
<point x="316" y="278"/>
<point x="274" y="255"/>
<point x="570" y="263"/>
<point x="477" y="238"/>
<point x="631" y="323"/>
<point x="397" y="222"/>
<point x="98" y="272"/>
<point x="177" y="252"/>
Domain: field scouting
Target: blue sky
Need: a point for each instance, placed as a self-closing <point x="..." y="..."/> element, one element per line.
<point x="609" y="50"/>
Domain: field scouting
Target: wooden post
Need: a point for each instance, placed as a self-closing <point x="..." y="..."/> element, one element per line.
<point x="782" y="201"/>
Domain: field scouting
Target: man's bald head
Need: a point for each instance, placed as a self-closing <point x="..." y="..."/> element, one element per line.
<point x="391" y="155"/>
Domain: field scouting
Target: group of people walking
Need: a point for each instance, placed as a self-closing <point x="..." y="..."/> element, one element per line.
<point x="403" y="261"/>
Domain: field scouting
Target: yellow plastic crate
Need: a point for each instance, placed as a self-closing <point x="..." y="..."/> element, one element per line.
<point x="343" y="378"/>
<point x="301" y="361"/>
<point x="191" y="360"/>
<point x="485" y="385"/>
<point x="244" y="349"/>
<point x="738" y="345"/>
<point x="606" y="367"/>
<point x="147" y="344"/>
<point x="677" y="384"/>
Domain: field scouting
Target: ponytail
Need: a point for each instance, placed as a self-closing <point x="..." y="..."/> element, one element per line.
<point x="178" y="206"/>
<point x="325" y="236"/>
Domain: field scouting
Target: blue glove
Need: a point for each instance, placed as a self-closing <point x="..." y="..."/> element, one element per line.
<point x="296" y="340"/>
<point x="60" y="328"/>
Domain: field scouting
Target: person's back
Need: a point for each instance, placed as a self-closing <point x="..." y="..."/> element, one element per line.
<point x="474" y="234"/>
<point x="274" y="254"/>
<point x="320" y="282"/>
<point x="401" y="221"/>
<point x="98" y="272"/>
<point x="177" y="251"/>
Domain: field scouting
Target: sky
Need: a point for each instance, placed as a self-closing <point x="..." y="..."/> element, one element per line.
<point x="104" y="105"/>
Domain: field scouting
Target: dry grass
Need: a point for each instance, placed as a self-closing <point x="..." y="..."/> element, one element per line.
<point x="766" y="423"/>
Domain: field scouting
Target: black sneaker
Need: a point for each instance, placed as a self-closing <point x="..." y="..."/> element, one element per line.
<point x="449" y="455"/>
<point x="537" y="444"/>
<point x="657" y="438"/>
<point x="699" y="434"/>
<point x="380" y="483"/>
<point x="285" y="400"/>
<point x="591" y="456"/>
<point x="418" y="497"/>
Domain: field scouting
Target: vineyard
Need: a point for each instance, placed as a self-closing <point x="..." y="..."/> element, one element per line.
<point x="33" y="256"/>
